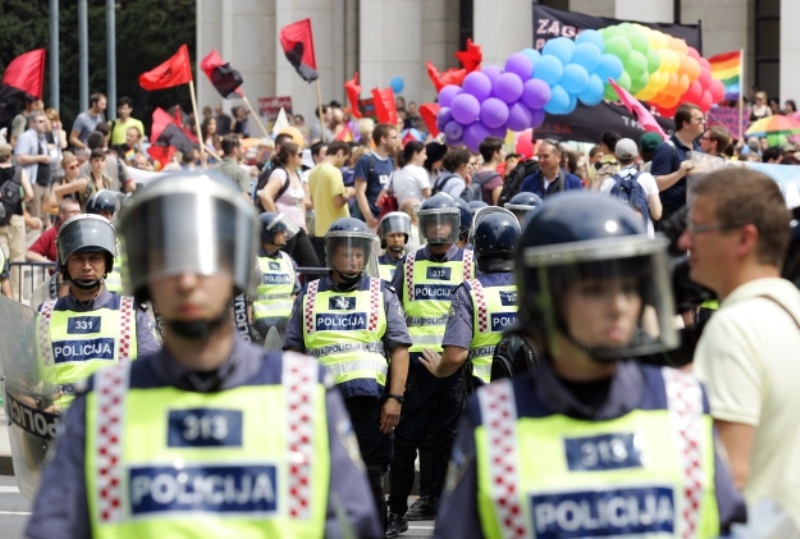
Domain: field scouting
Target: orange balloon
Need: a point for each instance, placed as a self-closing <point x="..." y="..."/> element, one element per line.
<point x="683" y="84"/>
<point x="680" y="46"/>
<point x="692" y="69"/>
<point x="297" y="136"/>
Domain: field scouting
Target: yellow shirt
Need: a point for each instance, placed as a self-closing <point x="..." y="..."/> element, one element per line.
<point x="121" y="128"/>
<point x="324" y="183"/>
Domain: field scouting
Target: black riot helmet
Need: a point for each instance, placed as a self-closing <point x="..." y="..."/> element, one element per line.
<point x="494" y="238"/>
<point x="353" y="235"/>
<point x="583" y="243"/>
<point x="475" y="205"/>
<point x="86" y="233"/>
<point x="466" y="218"/>
<point x="103" y="201"/>
<point x="393" y="223"/>
<point x="522" y="203"/>
<point x="439" y="220"/>
<point x="269" y="224"/>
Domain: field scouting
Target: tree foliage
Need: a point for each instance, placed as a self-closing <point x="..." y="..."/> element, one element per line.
<point x="148" y="32"/>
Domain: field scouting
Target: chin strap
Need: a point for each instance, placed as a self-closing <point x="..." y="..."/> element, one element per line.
<point x="397" y="249"/>
<point x="87" y="284"/>
<point x="199" y="330"/>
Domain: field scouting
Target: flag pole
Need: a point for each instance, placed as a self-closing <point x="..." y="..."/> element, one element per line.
<point x="319" y="105"/>
<point x="741" y="93"/>
<point x="197" y="123"/>
<point x="253" y="112"/>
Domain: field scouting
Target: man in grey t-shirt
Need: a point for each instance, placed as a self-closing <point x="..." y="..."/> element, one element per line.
<point x="87" y="121"/>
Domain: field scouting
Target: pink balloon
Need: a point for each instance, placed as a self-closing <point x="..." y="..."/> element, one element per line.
<point x="706" y="101"/>
<point x="524" y="144"/>
<point x="535" y="93"/>
<point x="717" y="90"/>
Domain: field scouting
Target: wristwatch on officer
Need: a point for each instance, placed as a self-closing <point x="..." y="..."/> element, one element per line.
<point x="399" y="398"/>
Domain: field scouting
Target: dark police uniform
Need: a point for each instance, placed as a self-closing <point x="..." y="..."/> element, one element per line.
<point x="387" y="265"/>
<point x="175" y="396"/>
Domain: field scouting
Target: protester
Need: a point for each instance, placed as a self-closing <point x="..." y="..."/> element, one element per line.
<point x="550" y="178"/>
<point x="87" y="121"/>
<point x="411" y="182"/>
<point x="372" y="173"/>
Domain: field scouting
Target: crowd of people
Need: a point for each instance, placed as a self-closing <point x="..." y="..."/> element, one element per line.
<point x="531" y="338"/>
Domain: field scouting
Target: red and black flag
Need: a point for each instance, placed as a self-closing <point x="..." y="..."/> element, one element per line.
<point x="298" y="46"/>
<point x="23" y="80"/>
<point x="168" y="136"/>
<point x="224" y="78"/>
<point x="174" y="72"/>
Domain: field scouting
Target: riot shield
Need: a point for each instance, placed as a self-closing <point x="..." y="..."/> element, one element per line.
<point x="47" y="290"/>
<point x="31" y="389"/>
<point x="274" y="340"/>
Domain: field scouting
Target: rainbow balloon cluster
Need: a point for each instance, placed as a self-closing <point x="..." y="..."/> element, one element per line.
<point x="653" y="66"/>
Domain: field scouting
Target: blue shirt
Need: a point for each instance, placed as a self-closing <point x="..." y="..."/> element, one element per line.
<point x="376" y="182"/>
<point x="460" y="323"/>
<point x="535" y="183"/>
<point x="667" y="159"/>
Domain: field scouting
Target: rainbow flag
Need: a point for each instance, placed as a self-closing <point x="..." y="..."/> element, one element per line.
<point x="726" y="67"/>
<point x="345" y="134"/>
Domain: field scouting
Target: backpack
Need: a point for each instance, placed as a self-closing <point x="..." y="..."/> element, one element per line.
<point x="10" y="197"/>
<point x="473" y="190"/>
<point x="514" y="179"/>
<point x="441" y="182"/>
<point x="513" y="355"/>
<point x="263" y="179"/>
<point x="631" y="192"/>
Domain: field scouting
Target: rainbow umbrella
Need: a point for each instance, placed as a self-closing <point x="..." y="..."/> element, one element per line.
<point x="774" y="128"/>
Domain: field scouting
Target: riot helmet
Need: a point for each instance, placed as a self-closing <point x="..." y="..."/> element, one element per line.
<point x="475" y="205"/>
<point x="187" y="223"/>
<point x="522" y="203"/>
<point x="587" y="247"/>
<point x="271" y="224"/>
<point x="348" y="246"/>
<point x="86" y="233"/>
<point x="466" y="218"/>
<point x="104" y="202"/>
<point x="439" y="220"/>
<point x="494" y="237"/>
<point x="396" y="222"/>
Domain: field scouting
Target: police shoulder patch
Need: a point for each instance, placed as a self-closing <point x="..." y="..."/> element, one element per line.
<point x="453" y="311"/>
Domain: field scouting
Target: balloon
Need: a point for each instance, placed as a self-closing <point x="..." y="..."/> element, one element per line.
<point x="447" y="94"/>
<point x="519" y="64"/>
<point x="706" y="101"/>
<point x="694" y="93"/>
<point x="537" y="118"/>
<point x="499" y="132"/>
<point x="397" y="84"/>
<point x="693" y="53"/>
<point x="533" y="55"/>
<point x="692" y="68"/>
<point x="619" y="46"/>
<point x="492" y="72"/>
<point x="717" y="90"/>
<point x="478" y="85"/>
<point x="653" y="61"/>
<point x="705" y="78"/>
<point x="590" y="36"/>
<point x="465" y="108"/>
<point x="610" y="93"/>
<point x="593" y="93"/>
<point x="475" y="134"/>
<point x="680" y="46"/>
<point x="535" y="93"/>
<point x="624" y="80"/>
<point x="683" y="84"/>
<point x="508" y="87"/>
<point x="612" y="31"/>
<point x="574" y="79"/>
<point x="704" y="64"/>
<point x="610" y="67"/>
<point x="524" y="144"/>
<point x="548" y="69"/>
<point x="519" y="117"/>
<point x="636" y="64"/>
<point x="453" y="130"/>
<point x="443" y="117"/>
<point x="494" y="113"/>
<point x="559" y="100"/>
<point x="638" y="41"/>
<point x="669" y="60"/>
<point x="560" y="47"/>
<point x="639" y="82"/>
<point x="587" y="55"/>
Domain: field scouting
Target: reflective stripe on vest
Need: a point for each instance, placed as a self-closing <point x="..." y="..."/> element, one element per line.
<point x="45" y="346"/>
<point x="350" y="326"/>
<point x="251" y="461"/>
<point x="647" y="473"/>
<point x="489" y="319"/>
<point x="274" y="300"/>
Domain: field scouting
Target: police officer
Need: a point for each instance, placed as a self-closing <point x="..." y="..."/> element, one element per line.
<point x="475" y="205"/>
<point x="352" y="322"/>
<point x="483" y="307"/>
<point x="522" y="203"/>
<point x="91" y="327"/>
<point x="465" y="224"/>
<point x="425" y="282"/>
<point x="393" y="231"/>
<point x="105" y="203"/>
<point x="211" y="437"/>
<point x="593" y="444"/>
<point x="278" y="284"/>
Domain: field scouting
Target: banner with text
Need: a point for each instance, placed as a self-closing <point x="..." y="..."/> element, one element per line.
<point x="269" y="107"/>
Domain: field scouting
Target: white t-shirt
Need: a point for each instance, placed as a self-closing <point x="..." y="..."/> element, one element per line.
<point x="645" y="179"/>
<point x="408" y="182"/>
<point x="749" y="359"/>
<point x="291" y="201"/>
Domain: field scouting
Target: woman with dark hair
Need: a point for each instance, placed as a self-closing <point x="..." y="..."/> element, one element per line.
<point x="790" y="107"/>
<point x="411" y="181"/>
<point x="434" y="162"/>
<point x="212" y="140"/>
<point x="286" y="194"/>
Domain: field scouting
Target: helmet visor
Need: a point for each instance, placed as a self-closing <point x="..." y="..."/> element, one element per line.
<point x="394" y="222"/>
<point x="439" y="227"/>
<point x="85" y="233"/>
<point x="348" y="254"/>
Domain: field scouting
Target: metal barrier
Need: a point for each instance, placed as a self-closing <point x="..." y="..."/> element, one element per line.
<point x="32" y="272"/>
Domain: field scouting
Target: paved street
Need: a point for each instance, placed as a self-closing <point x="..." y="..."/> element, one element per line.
<point x="14" y="509"/>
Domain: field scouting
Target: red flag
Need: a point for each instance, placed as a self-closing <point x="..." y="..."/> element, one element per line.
<point x="345" y="134"/>
<point x="26" y="72"/>
<point x="428" y="112"/>
<point x="297" y="42"/>
<point x="636" y="108"/>
<point x="162" y="154"/>
<point x="174" y="72"/>
<point x="385" y="107"/>
<point x="224" y="78"/>
<point x="451" y="76"/>
<point x="471" y="58"/>
<point x="353" y="90"/>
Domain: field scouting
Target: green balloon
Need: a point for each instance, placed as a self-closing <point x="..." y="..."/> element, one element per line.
<point x="625" y="81"/>
<point x="638" y="41"/>
<point x="640" y="82"/>
<point x="653" y="61"/>
<point x="619" y="46"/>
<point x="610" y="93"/>
<point x="612" y="31"/>
<point x="636" y="64"/>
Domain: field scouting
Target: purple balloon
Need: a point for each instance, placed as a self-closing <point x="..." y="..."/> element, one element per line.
<point x="492" y="72"/>
<point x="520" y="65"/>
<point x="499" y="132"/>
<point x="453" y="130"/>
<point x="443" y="117"/>
<point x="475" y="134"/>
<point x="447" y="94"/>
<point x="519" y="117"/>
<point x="478" y="84"/>
<point x="453" y="141"/>
<point x="465" y="108"/>
<point x="537" y="118"/>
<point x="535" y="93"/>
<point x="508" y="87"/>
<point x="494" y="113"/>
